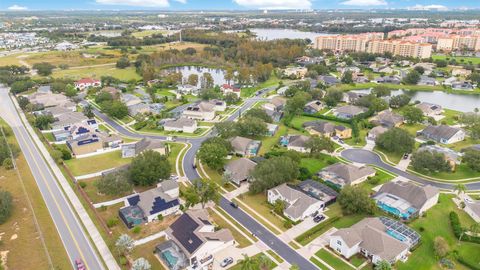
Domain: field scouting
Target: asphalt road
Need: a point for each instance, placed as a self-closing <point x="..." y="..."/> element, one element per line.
<point x="272" y="241"/>
<point x="74" y="238"/>
<point x="369" y="157"/>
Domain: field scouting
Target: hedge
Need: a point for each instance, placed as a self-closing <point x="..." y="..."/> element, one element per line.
<point x="316" y="229"/>
<point x="459" y="231"/>
<point x="468" y="264"/>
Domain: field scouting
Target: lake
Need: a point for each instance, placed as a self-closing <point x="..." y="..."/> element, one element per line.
<point x="457" y="102"/>
<point x="218" y="75"/>
<point x="272" y="34"/>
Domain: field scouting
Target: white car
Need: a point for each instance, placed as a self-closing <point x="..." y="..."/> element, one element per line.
<point x="226" y="262"/>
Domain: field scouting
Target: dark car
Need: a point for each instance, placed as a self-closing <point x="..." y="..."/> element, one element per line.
<point x="405" y="156"/>
<point x="194" y="166"/>
<point x="79" y="265"/>
<point x="234" y="205"/>
<point x="319" y="218"/>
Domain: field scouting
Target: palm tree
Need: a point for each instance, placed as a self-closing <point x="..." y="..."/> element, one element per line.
<point x="460" y="188"/>
<point x="475" y="229"/>
<point x="247" y="263"/>
<point x="263" y="262"/>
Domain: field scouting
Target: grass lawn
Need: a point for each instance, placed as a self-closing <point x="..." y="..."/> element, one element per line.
<point x="412" y="128"/>
<point x="125" y="75"/>
<point x="147" y="33"/>
<point x="334" y="210"/>
<point x="217" y="178"/>
<point x="269" y="142"/>
<point x="222" y="223"/>
<point x="474" y="60"/>
<point x="462" y="171"/>
<point x="463" y="144"/>
<point x="239" y="266"/>
<point x="331" y="260"/>
<point x="92" y="192"/>
<point x="275" y="255"/>
<point x="26" y="251"/>
<point x="259" y="203"/>
<point x="318" y="263"/>
<point x="379" y="179"/>
<point x="451" y="117"/>
<point x="96" y="163"/>
<point x="314" y="165"/>
<point x="436" y="223"/>
<point x="360" y="141"/>
<point x="146" y="251"/>
<point x="297" y="121"/>
<point x="174" y="150"/>
<point x="49" y="137"/>
<point x="247" y="92"/>
<point x="392" y="157"/>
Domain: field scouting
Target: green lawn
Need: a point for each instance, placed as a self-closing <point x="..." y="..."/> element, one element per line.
<point x="239" y="266"/>
<point x="412" y="128"/>
<point x="436" y="223"/>
<point x="360" y="141"/>
<point x="259" y="203"/>
<point x="331" y="260"/>
<point x="314" y="165"/>
<point x="318" y="263"/>
<point x="126" y="74"/>
<point x="247" y="92"/>
<point x="92" y="191"/>
<point x="297" y="121"/>
<point x="451" y="117"/>
<point x="222" y="223"/>
<point x="459" y="146"/>
<point x="96" y="163"/>
<point x="466" y="60"/>
<point x="462" y="171"/>
<point x="392" y="157"/>
<point x="269" y="142"/>
<point x="379" y="179"/>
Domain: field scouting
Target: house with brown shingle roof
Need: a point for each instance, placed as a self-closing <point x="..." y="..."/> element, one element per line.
<point x="341" y="174"/>
<point x="239" y="170"/>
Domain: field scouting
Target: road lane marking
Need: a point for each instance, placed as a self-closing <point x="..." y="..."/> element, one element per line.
<point x="55" y="201"/>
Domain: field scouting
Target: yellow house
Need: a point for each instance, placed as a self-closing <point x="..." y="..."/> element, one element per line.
<point x="343" y="132"/>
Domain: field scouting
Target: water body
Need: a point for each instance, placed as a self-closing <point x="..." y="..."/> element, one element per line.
<point x="272" y="34"/>
<point x="457" y="102"/>
<point x="218" y="75"/>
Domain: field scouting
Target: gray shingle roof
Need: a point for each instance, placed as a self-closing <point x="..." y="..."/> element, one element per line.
<point x="440" y="132"/>
<point x="415" y="195"/>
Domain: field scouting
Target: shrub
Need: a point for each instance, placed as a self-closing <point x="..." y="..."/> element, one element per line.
<point x="287" y="224"/>
<point x="7" y="163"/>
<point x="459" y="232"/>
<point x="82" y="184"/>
<point x="136" y="229"/>
<point x="112" y="222"/>
<point x="123" y="260"/>
<point x="5" y="206"/>
<point x="308" y="234"/>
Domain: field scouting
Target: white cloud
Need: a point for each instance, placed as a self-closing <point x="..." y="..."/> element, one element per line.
<point x="428" y="7"/>
<point x="365" y="3"/>
<point x="275" y="4"/>
<point x="17" y="7"/>
<point x="139" y="3"/>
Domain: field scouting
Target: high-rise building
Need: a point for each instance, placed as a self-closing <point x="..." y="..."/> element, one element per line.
<point x="400" y="48"/>
<point x="356" y="43"/>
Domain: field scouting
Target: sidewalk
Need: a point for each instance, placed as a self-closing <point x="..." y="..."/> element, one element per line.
<point x="92" y="231"/>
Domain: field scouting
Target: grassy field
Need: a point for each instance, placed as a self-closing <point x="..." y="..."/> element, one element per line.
<point x="126" y="74"/>
<point x="259" y="203"/>
<point x="96" y="163"/>
<point x="466" y="60"/>
<point x="171" y="46"/>
<point x="147" y="33"/>
<point x="20" y="237"/>
<point x="331" y="260"/>
<point x="423" y="258"/>
<point x="451" y="117"/>
<point x="246" y="92"/>
<point x="92" y="191"/>
<point x="462" y="171"/>
<point x="314" y="165"/>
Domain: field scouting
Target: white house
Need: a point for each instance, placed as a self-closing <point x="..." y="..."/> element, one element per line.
<point x="298" y="205"/>
<point x="443" y="134"/>
<point x="370" y="238"/>
<point x="87" y="83"/>
<point x="472" y="208"/>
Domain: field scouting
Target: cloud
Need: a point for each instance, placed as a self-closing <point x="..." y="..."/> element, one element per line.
<point x="139" y="3"/>
<point x="428" y="7"/>
<point x="365" y="3"/>
<point x="275" y="4"/>
<point x="17" y="7"/>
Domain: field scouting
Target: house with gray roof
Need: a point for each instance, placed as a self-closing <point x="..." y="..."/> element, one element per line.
<point x="298" y="205"/>
<point x="443" y="134"/>
<point x="313" y="106"/>
<point x="133" y="149"/>
<point x="406" y="200"/>
<point x="147" y="206"/>
<point x="239" y="170"/>
<point x="387" y="118"/>
<point x="373" y="238"/>
<point x="429" y="81"/>
<point x="328" y="80"/>
<point x="349" y="111"/>
<point x="430" y="109"/>
<point x="296" y="143"/>
<point x="342" y="174"/>
<point x="192" y="241"/>
<point x="181" y="124"/>
<point x="472" y="208"/>
<point x="244" y="146"/>
<point x="375" y="132"/>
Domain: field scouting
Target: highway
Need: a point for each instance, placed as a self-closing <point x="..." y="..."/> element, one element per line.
<point x="369" y="157"/>
<point x="272" y="241"/>
<point x="74" y="238"/>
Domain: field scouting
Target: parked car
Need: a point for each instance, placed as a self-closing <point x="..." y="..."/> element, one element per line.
<point x="405" y="156"/>
<point x="318" y="218"/>
<point x="79" y="265"/>
<point x="226" y="262"/>
<point x="234" y="205"/>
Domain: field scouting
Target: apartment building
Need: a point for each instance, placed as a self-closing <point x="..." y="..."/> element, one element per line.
<point x="458" y="42"/>
<point x="357" y="43"/>
<point x="401" y="48"/>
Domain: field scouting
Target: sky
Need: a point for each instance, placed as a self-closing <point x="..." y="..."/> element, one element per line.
<point x="20" y="5"/>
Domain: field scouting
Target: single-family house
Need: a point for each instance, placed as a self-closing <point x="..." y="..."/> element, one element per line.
<point x="387" y="118"/>
<point x="349" y="111"/>
<point x="472" y="208"/>
<point x="296" y="142"/>
<point x="66" y="120"/>
<point x="406" y="200"/>
<point x="130" y="99"/>
<point x="443" y="134"/>
<point x="342" y="174"/>
<point x="134" y="149"/>
<point x="429" y="81"/>
<point x="430" y="109"/>
<point x="186" y="89"/>
<point x="182" y="124"/>
<point x="56" y="111"/>
<point x="461" y="72"/>
<point x="328" y="129"/>
<point x="147" y="206"/>
<point x="239" y="170"/>
<point x="244" y="146"/>
<point x="451" y="156"/>
<point x="295" y="72"/>
<point x="388" y="79"/>
<point x="450" y="81"/>
<point x="275" y="104"/>
<point x="51" y="100"/>
<point x="328" y="80"/>
<point x="44" y="89"/>
<point x="271" y="129"/>
<point x="86" y="144"/>
<point x="86" y="83"/>
<point x="350" y="97"/>
<point x="227" y="88"/>
<point x="379" y="239"/>
<point x="375" y="132"/>
<point x="138" y="108"/>
<point x="463" y="85"/>
<point x="201" y="111"/>
<point x="298" y="205"/>
<point x="313" y="106"/>
<point x="192" y="240"/>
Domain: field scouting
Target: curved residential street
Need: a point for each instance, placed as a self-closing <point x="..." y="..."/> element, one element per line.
<point x="369" y="157"/>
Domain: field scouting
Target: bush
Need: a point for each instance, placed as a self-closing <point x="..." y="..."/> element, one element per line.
<point x="123" y="260"/>
<point x="112" y="222"/>
<point x="136" y="229"/>
<point x="82" y="184"/>
<point x="7" y="163"/>
<point x="306" y="235"/>
<point x="5" y="206"/>
<point x="287" y="224"/>
<point x="459" y="232"/>
<point x="66" y="155"/>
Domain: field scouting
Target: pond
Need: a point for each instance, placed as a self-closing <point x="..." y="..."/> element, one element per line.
<point x="218" y="75"/>
<point x="457" y="102"/>
<point x="272" y="34"/>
